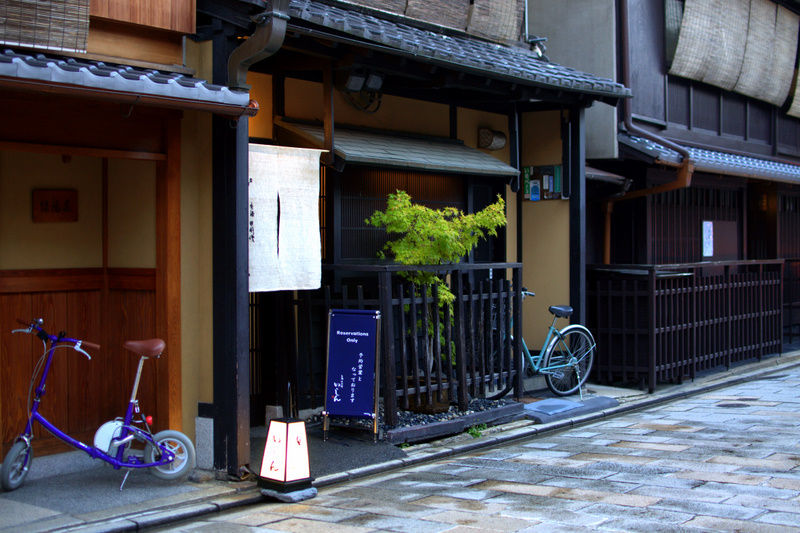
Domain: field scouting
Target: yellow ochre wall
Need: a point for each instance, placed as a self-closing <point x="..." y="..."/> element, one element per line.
<point x="25" y="245"/>
<point x="545" y="230"/>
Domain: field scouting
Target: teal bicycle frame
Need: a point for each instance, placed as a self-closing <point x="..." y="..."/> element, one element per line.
<point x="568" y="358"/>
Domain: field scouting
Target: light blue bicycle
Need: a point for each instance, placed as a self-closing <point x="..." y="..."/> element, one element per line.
<point x="566" y="357"/>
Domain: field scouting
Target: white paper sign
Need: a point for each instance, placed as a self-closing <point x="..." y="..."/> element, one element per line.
<point x="283" y="232"/>
<point x="708" y="238"/>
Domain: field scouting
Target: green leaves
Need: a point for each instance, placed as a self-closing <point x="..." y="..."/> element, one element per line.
<point x="434" y="236"/>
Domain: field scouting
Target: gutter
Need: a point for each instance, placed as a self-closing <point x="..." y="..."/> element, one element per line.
<point x="265" y="41"/>
<point x="686" y="168"/>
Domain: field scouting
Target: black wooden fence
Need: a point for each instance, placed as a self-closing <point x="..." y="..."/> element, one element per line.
<point x="664" y="323"/>
<point x="473" y="354"/>
<point x="791" y="300"/>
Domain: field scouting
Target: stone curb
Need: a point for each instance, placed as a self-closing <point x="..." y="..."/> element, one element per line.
<point x="251" y="495"/>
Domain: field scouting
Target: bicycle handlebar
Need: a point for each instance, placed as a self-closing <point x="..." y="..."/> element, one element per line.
<point x="36" y="325"/>
<point x="526" y="292"/>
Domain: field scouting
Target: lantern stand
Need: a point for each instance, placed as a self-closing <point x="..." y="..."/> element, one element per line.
<point x="285" y="472"/>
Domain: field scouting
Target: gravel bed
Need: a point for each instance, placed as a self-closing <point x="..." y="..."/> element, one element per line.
<point x="410" y="418"/>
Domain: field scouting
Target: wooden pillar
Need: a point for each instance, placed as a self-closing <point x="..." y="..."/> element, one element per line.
<point x="574" y="160"/>
<point x="168" y="276"/>
<point x="230" y="284"/>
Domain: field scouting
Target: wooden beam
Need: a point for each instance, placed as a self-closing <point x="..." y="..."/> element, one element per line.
<point x="63" y="149"/>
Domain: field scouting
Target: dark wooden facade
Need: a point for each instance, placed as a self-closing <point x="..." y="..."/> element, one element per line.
<point x="673" y="315"/>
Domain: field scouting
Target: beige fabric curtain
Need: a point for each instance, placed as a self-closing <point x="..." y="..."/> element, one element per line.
<point x="59" y="25"/>
<point x="747" y="46"/>
<point x="284" y="240"/>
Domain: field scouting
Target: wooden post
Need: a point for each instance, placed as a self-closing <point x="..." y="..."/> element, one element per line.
<point x="461" y="367"/>
<point x="389" y="378"/>
<point x="516" y="281"/>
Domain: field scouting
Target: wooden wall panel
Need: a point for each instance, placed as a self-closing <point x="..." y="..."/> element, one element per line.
<point x="174" y="15"/>
<point x="81" y="394"/>
<point x="17" y="360"/>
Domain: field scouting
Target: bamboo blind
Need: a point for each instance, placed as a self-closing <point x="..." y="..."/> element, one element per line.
<point x="60" y="25"/>
<point x="448" y="13"/>
<point x="497" y="19"/>
<point x="392" y="6"/>
<point x="747" y="46"/>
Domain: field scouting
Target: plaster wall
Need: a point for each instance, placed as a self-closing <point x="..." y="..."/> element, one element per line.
<point x="545" y="231"/>
<point x="197" y="316"/>
<point x="304" y="101"/>
<point x="131" y="199"/>
<point x="581" y="34"/>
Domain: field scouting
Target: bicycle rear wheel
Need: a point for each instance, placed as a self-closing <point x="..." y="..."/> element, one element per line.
<point x="569" y="360"/>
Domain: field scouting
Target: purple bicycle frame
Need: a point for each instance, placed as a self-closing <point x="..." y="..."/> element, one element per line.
<point x="128" y="432"/>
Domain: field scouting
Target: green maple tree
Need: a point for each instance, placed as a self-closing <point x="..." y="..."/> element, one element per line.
<point x="434" y="236"/>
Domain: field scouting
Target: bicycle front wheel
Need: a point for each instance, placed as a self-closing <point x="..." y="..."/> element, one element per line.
<point x="16" y="465"/>
<point x="177" y="443"/>
<point x="568" y="360"/>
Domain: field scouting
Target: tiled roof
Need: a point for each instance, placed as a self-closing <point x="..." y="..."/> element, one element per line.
<point x="395" y="150"/>
<point x="158" y="87"/>
<point x="482" y="57"/>
<point x="717" y="162"/>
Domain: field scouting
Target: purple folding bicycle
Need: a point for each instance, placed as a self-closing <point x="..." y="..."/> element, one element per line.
<point x="168" y="454"/>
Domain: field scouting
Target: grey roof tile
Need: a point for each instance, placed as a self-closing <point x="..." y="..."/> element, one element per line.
<point x="387" y="149"/>
<point x="121" y="78"/>
<point x="490" y="59"/>
<point x="718" y="161"/>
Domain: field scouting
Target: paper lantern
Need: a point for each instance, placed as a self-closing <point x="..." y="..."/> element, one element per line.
<point x="285" y="466"/>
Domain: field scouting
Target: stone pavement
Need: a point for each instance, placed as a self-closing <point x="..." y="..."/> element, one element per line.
<point x="606" y="468"/>
<point x="725" y="460"/>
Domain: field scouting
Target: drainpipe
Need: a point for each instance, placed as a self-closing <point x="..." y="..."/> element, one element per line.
<point x="686" y="167"/>
<point x="265" y="41"/>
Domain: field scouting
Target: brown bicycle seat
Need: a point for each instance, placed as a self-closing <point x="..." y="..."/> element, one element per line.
<point x="146" y="348"/>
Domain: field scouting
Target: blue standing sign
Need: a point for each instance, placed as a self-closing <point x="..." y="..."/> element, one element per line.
<point x="351" y="378"/>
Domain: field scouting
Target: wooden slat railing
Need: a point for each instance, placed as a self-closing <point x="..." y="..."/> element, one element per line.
<point x="665" y="323"/>
<point x="473" y="355"/>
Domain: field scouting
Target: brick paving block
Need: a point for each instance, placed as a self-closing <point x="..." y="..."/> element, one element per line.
<point x="656" y="446"/>
<point x="758" y="502"/>
<point x="612" y="457"/>
<point x="785" y="519"/>
<point x="249" y="518"/>
<point x="724" y="477"/>
<point x="719" y="510"/>
<point x="389" y="508"/>
<point x="766" y="464"/>
<point x="669" y="427"/>
<point x="791" y="483"/>
<point x="722" y="524"/>
<point x="459" y="504"/>
<point x="651" y="513"/>
<point x="302" y="525"/>
<point x="482" y="521"/>
<point x="393" y="523"/>
<point x="700" y="494"/>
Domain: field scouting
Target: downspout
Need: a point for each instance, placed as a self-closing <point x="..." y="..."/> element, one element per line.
<point x="686" y="167"/>
<point x="265" y="41"/>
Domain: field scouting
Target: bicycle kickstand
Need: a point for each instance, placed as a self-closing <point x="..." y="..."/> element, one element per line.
<point x="124" y="480"/>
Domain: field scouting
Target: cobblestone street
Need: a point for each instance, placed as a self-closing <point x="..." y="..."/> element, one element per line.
<point x="727" y="460"/>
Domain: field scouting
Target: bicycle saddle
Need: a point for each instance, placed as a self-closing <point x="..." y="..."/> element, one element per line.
<point x="561" y="311"/>
<point x="146" y="348"/>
